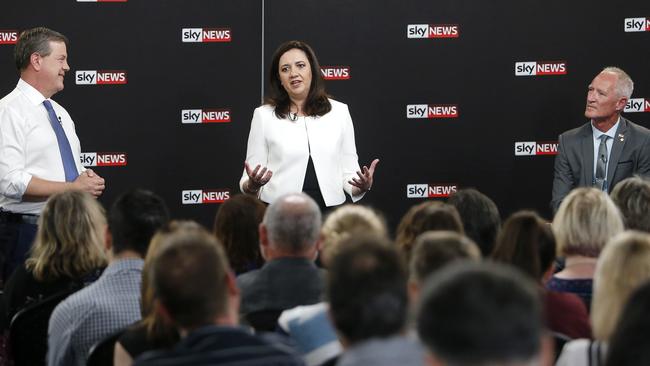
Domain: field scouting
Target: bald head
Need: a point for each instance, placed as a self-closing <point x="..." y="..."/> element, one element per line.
<point x="292" y="223"/>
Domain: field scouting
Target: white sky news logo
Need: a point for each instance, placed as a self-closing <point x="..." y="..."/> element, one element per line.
<point x="432" y="31"/>
<point x="8" y="36"/>
<point x="103" y="159"/>
<point x="539" y="68"/>
<point x="637" y="24"/>
<point x="529" y="148"/>
<point x="335" y="72"/>
<point x="205" y="116"/>
<point x="430" y="190"/>
<point x="205" y="35"/>
<point x="201" y="196"/>
<point x="638" y="105"/>
<point x="432" y="111"/>
<point x="100" y="77"/>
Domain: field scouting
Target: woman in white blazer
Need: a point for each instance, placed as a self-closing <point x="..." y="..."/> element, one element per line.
<point x="300" y="140"/>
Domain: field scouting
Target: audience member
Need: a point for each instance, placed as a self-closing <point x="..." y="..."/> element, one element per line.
<point x="480" y="217"/>
<point x="309" y="325"/>
<point x="632" y="196"/>
<point x="67" y="253"/>
<point x="366" y="288"/>
<point x="527" y="242"/>
<point x="153" y="331"/>
<point x="426" y="216"/>
<point x="434" y="250"/>
<point x="481" y="314"/>
<point x="586" y="220"/>
<point x="113" y="301"/>
<point x="197" y="292"/>
<point x="622" y="267"/>
<point x="289" y="241"/>
<point x="630" y="344"/>
<point x="236" y="227"/>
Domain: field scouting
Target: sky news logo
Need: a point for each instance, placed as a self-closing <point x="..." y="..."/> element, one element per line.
<point x="100" y="77"/>
<point x="427" y="31"/>
<point x="540" y="68"/>
<point x="89" y="159"/>
<point x="335" y="72"/>
<point x="432" y="111"/>
<point x="205" y="116"/>
<point x="430" y="190"/>
<point x="8" y="36"/>
<point x="202" y="196"/>
<point x="637" y="105"/>
<point x="637" y="24"/>
<point x="529" y="148"/>
<point x="206" y="35"/>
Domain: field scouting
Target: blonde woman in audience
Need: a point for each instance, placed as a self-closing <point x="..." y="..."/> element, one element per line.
<point x="303" y="322"/>
<point x="585" y="221"/>
<point x="623" y="266"/>
<point x="153" y="331"/>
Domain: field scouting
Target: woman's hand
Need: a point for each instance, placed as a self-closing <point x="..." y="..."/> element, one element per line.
<point x="256" y="178"/>
<point x="364" y="181"/>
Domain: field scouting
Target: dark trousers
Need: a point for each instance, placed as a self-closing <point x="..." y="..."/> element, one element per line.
<point x="16" y="240"/>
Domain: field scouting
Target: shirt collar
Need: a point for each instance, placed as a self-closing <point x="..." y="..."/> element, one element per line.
<point x="611" y="132"/>
<point x="30" y="92"/>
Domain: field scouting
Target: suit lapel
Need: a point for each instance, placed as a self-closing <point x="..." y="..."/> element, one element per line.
<point x="617" y="148"/>
<point x="588" y="154"/>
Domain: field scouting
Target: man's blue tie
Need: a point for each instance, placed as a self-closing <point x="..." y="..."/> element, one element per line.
<point x="69" y="166"/>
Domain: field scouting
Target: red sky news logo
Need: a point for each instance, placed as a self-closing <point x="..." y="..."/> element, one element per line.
<point x="638" y="105"/>
<point x="8" y="36"/>
<point x="205" y="116"/>
<point x="203" y="35"/>
<point x="100" y="77"/>
<point x="89" y="159"/>
<point x="335" y="72"/>
<point x="430" y="190"/>
<point x="539" y="68"/>
<point x="637" y="24"/>
<point x="432" y="111"/>
<point x="432" y="31"/>
<point x="200" y="196"/>
<point x="528" y="148"/>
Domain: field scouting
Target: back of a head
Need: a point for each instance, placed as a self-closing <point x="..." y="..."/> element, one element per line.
<point x="480" y="217"/>
<point x="189" y="278"/>
<point x="426" y="216"/>
<point x="236" y="226"/>
<point x="586" y="220"/>
<point x="293" y="223"/>
<point x="70" y="239"/>
<point x="349" y="220"/>
<point x="527" y="242"/>
<point x="623" y="265"/>
<point x="366" y="289"/>
<point x="630" y="344"/>
<point x="134" y="218"/>
<point x="480" y="314"/>
<point x="632" y="196"/>
<point x="435" y="249"/>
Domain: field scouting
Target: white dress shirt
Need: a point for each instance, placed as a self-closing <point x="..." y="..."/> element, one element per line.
<point x="28" y="146"/>
<point x="284" y="146"/>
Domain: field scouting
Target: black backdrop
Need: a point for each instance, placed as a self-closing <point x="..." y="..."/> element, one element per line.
<point x="388" y="71"/>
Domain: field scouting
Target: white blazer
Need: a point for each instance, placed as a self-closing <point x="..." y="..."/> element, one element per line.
<point x="283" y="146"/>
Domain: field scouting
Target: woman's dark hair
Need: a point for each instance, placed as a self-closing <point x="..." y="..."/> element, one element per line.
<point x="316" y="104"/>
<point x="630" y="344"/>
<point x="236" y="226"/>
<point x="527" y="242"/>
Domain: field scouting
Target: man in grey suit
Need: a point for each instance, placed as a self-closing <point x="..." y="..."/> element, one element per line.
<point x="607" y="149"/>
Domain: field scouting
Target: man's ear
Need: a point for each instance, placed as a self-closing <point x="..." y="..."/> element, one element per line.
<point x="161" y="310"/>
<point x="108" y="240"/>
<point x="35" y="61"/>
<point x="264" y="240"/>
<point x="231" y="284"/>
<point x="620" y="105"/>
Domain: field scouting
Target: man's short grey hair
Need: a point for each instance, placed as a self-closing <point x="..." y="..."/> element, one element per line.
<point x="293" y="222"/>
<point x="624" y="84"/>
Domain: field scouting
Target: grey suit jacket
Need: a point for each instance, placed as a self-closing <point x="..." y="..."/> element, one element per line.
<point x="574" y="163"/>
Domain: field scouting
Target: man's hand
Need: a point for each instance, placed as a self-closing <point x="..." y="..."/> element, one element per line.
<point x="90" y="182"/>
